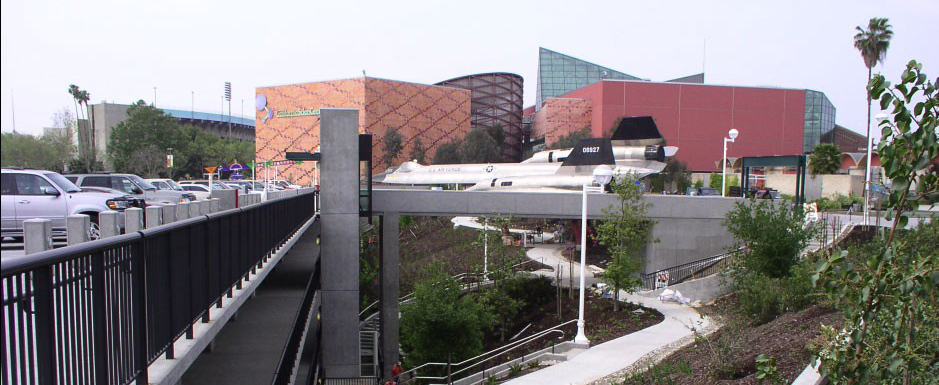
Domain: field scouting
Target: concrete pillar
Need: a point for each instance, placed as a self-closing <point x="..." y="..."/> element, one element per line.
<point x="389" y="275"/>
<point x="182" y="211"/>
<point x="195" y="208"/>
<point x="109" y="221"/>
<point x="76" y="228"/>
<point x="153" y="216"/>
<point x="339" y="129"/>
<point x="133" y="220"/>
<point x="169" y="213"/>
<point x="37" y="235"/>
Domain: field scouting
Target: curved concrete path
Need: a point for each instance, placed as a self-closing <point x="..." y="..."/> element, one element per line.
<point x="613" y="356"/>
<point x="597" y="362"/>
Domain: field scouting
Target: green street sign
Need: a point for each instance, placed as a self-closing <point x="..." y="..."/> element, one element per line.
<point x="269" y="163"/>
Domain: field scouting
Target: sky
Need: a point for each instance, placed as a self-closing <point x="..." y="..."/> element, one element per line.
<point x="179" y="53"/>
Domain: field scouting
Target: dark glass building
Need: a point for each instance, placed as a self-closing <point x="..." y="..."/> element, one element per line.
<point x="496" y="100"/>
<point x="819" y="119"/>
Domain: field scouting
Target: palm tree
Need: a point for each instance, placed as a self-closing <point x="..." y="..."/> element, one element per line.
<point x="873" y="44"/>
<point x="86" y="143"/>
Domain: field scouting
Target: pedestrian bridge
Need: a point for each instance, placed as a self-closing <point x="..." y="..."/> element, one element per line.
<point x="244" y="284"/>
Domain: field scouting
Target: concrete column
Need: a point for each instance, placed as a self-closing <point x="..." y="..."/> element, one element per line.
<point x="133" y="220"/>
<point x="389" y="275"/>
<point x="339" y="129"/>
<point x="76" y="228"/>
<point x="182" y="211"/>
<point x="169" y="213"/>
<point x="37" y="235"/>
<point x="153" y="216"/>
<point x="195" y="209"/>
<point x="110" y="224"/>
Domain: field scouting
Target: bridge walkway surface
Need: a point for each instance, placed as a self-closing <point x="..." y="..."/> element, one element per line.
<point x="248" y="349"/>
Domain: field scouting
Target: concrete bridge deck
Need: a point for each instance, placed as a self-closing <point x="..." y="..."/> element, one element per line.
<point x="248" y="349"/>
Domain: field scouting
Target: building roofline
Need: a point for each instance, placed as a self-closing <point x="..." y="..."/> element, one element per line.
<point x="480" y="74"/>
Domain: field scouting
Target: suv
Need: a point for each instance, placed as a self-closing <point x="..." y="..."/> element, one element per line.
<point x="29" y="194"/>
<point x="132" y="184"/>
<point x="164" y="184"/>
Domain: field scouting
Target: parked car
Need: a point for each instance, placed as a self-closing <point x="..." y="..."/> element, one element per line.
<point x="216" y="185"/>
<point x="703" y="191"/>
<point x="164" y="184"/>
<point x="201" y="192"/>
<point x="28" y="194"/>
<point x="132" y="184"/>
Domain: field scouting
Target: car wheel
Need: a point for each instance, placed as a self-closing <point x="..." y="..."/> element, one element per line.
<point x="94" y="229"/>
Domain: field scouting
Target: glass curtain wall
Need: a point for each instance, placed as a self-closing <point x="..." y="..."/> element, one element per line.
<point x="819" y="119"/>
<point x="559" y="74"/>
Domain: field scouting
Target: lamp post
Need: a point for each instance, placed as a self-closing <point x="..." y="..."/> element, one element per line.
<point x="602" y="175"/>
<point x="867" y="173"/>
<point x="733" y="135"/>
<point x="486" y="249"/>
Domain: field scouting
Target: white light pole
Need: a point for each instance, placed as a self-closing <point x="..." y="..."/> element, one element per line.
<point x="486" y="249"/>
<point x="602" y="175"/>
<point x="867" y="173"/>
<point x="733" y="135"/>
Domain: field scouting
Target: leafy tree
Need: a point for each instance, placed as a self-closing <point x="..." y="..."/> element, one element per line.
<point x="887" y="290"/>
<point x="497" y="134"/>
<point x="440" y="323"/>
<point x="825" y="159"/>
<point x="624" y="231"/>
<point x="138" y="145"/>
<point x="22" y="150"/>
<point x="872" y="43"/>
<point x="418" y="151"/>
<point x="570" y="140"/>
<point x="391" y="145"/>
<point x="676" y="172"/>
<point x="448" y="153"/>
<point x="202" y="149"/>
<point x="772" y="235"/>
<point x="480" y="147"/>
<point x="715" y="181"/>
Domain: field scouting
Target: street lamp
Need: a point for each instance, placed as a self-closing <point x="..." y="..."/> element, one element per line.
<point x="733" y="135"/>
<point x="603" y="174"/>
<point x="867" y="173"/>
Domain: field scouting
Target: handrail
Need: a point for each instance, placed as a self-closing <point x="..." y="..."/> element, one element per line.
<point x="648" y="280"/>
<point x="492" y="353"/>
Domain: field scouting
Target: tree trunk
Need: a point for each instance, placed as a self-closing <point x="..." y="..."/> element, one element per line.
<point x="866" y="91"/>
<point x="615" y="299"/>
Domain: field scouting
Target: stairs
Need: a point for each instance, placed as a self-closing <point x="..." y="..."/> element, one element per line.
<point x="368" y="348"/>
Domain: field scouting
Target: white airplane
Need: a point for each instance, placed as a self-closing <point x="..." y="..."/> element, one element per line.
<point x="636" y="147"/>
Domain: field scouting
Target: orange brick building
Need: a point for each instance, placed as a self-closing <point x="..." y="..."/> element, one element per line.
<point x="287" y="121"/>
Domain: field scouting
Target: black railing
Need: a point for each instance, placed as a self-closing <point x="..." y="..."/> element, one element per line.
<point x="691" y="270"/>
<point x="100" y="312"/>
<point x="293" y="349"/>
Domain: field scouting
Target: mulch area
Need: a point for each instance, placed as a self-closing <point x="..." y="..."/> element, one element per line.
<point x="602" y="322"/>
<point x="729" y="355"/>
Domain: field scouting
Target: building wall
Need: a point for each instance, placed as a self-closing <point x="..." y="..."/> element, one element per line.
<point x="496" y="101"/>
<point x="561" y="116"/>
<point x="696" y="117"/>
<point x="434" y="114"/>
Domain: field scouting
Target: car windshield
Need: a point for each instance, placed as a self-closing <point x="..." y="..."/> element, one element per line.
<point x="142" y="183"/>
<point x="173" y="185"/>
<point x="63" y="183"/>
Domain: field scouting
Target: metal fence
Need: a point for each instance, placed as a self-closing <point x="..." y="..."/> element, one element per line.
<point x="691" y="270"/>
<point x="100" y="312"/>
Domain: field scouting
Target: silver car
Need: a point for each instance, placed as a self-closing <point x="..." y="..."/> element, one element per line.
<point x="134" y="185"/>
<point x="40" y="194"/>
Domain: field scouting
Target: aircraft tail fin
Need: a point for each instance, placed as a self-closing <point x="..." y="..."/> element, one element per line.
<point x="590" y="152"/>
<point x="637" y="128"/>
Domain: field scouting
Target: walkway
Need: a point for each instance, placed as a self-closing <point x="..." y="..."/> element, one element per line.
<point x="610" y="357"/>
<point x="248" y="348"/>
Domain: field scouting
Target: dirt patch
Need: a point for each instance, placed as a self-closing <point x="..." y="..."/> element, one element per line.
<point x="729" y="355"/>
<point x="602" y="322"/>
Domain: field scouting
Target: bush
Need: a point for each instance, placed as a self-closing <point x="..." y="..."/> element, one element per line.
<point x="761" y="299"/>
<point x="771" y="233"/>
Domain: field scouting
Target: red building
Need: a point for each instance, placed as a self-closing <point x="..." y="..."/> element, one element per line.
<point x="694" y="117"/>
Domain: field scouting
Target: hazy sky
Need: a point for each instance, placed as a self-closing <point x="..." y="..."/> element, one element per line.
<point x="120" y="50"/>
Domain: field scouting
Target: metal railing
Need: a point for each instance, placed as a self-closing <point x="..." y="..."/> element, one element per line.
<point x="100" y="312"/>
<point x="482" y="359"/>
<point x="691" y="270"/>
<point x="306" y="314"/>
